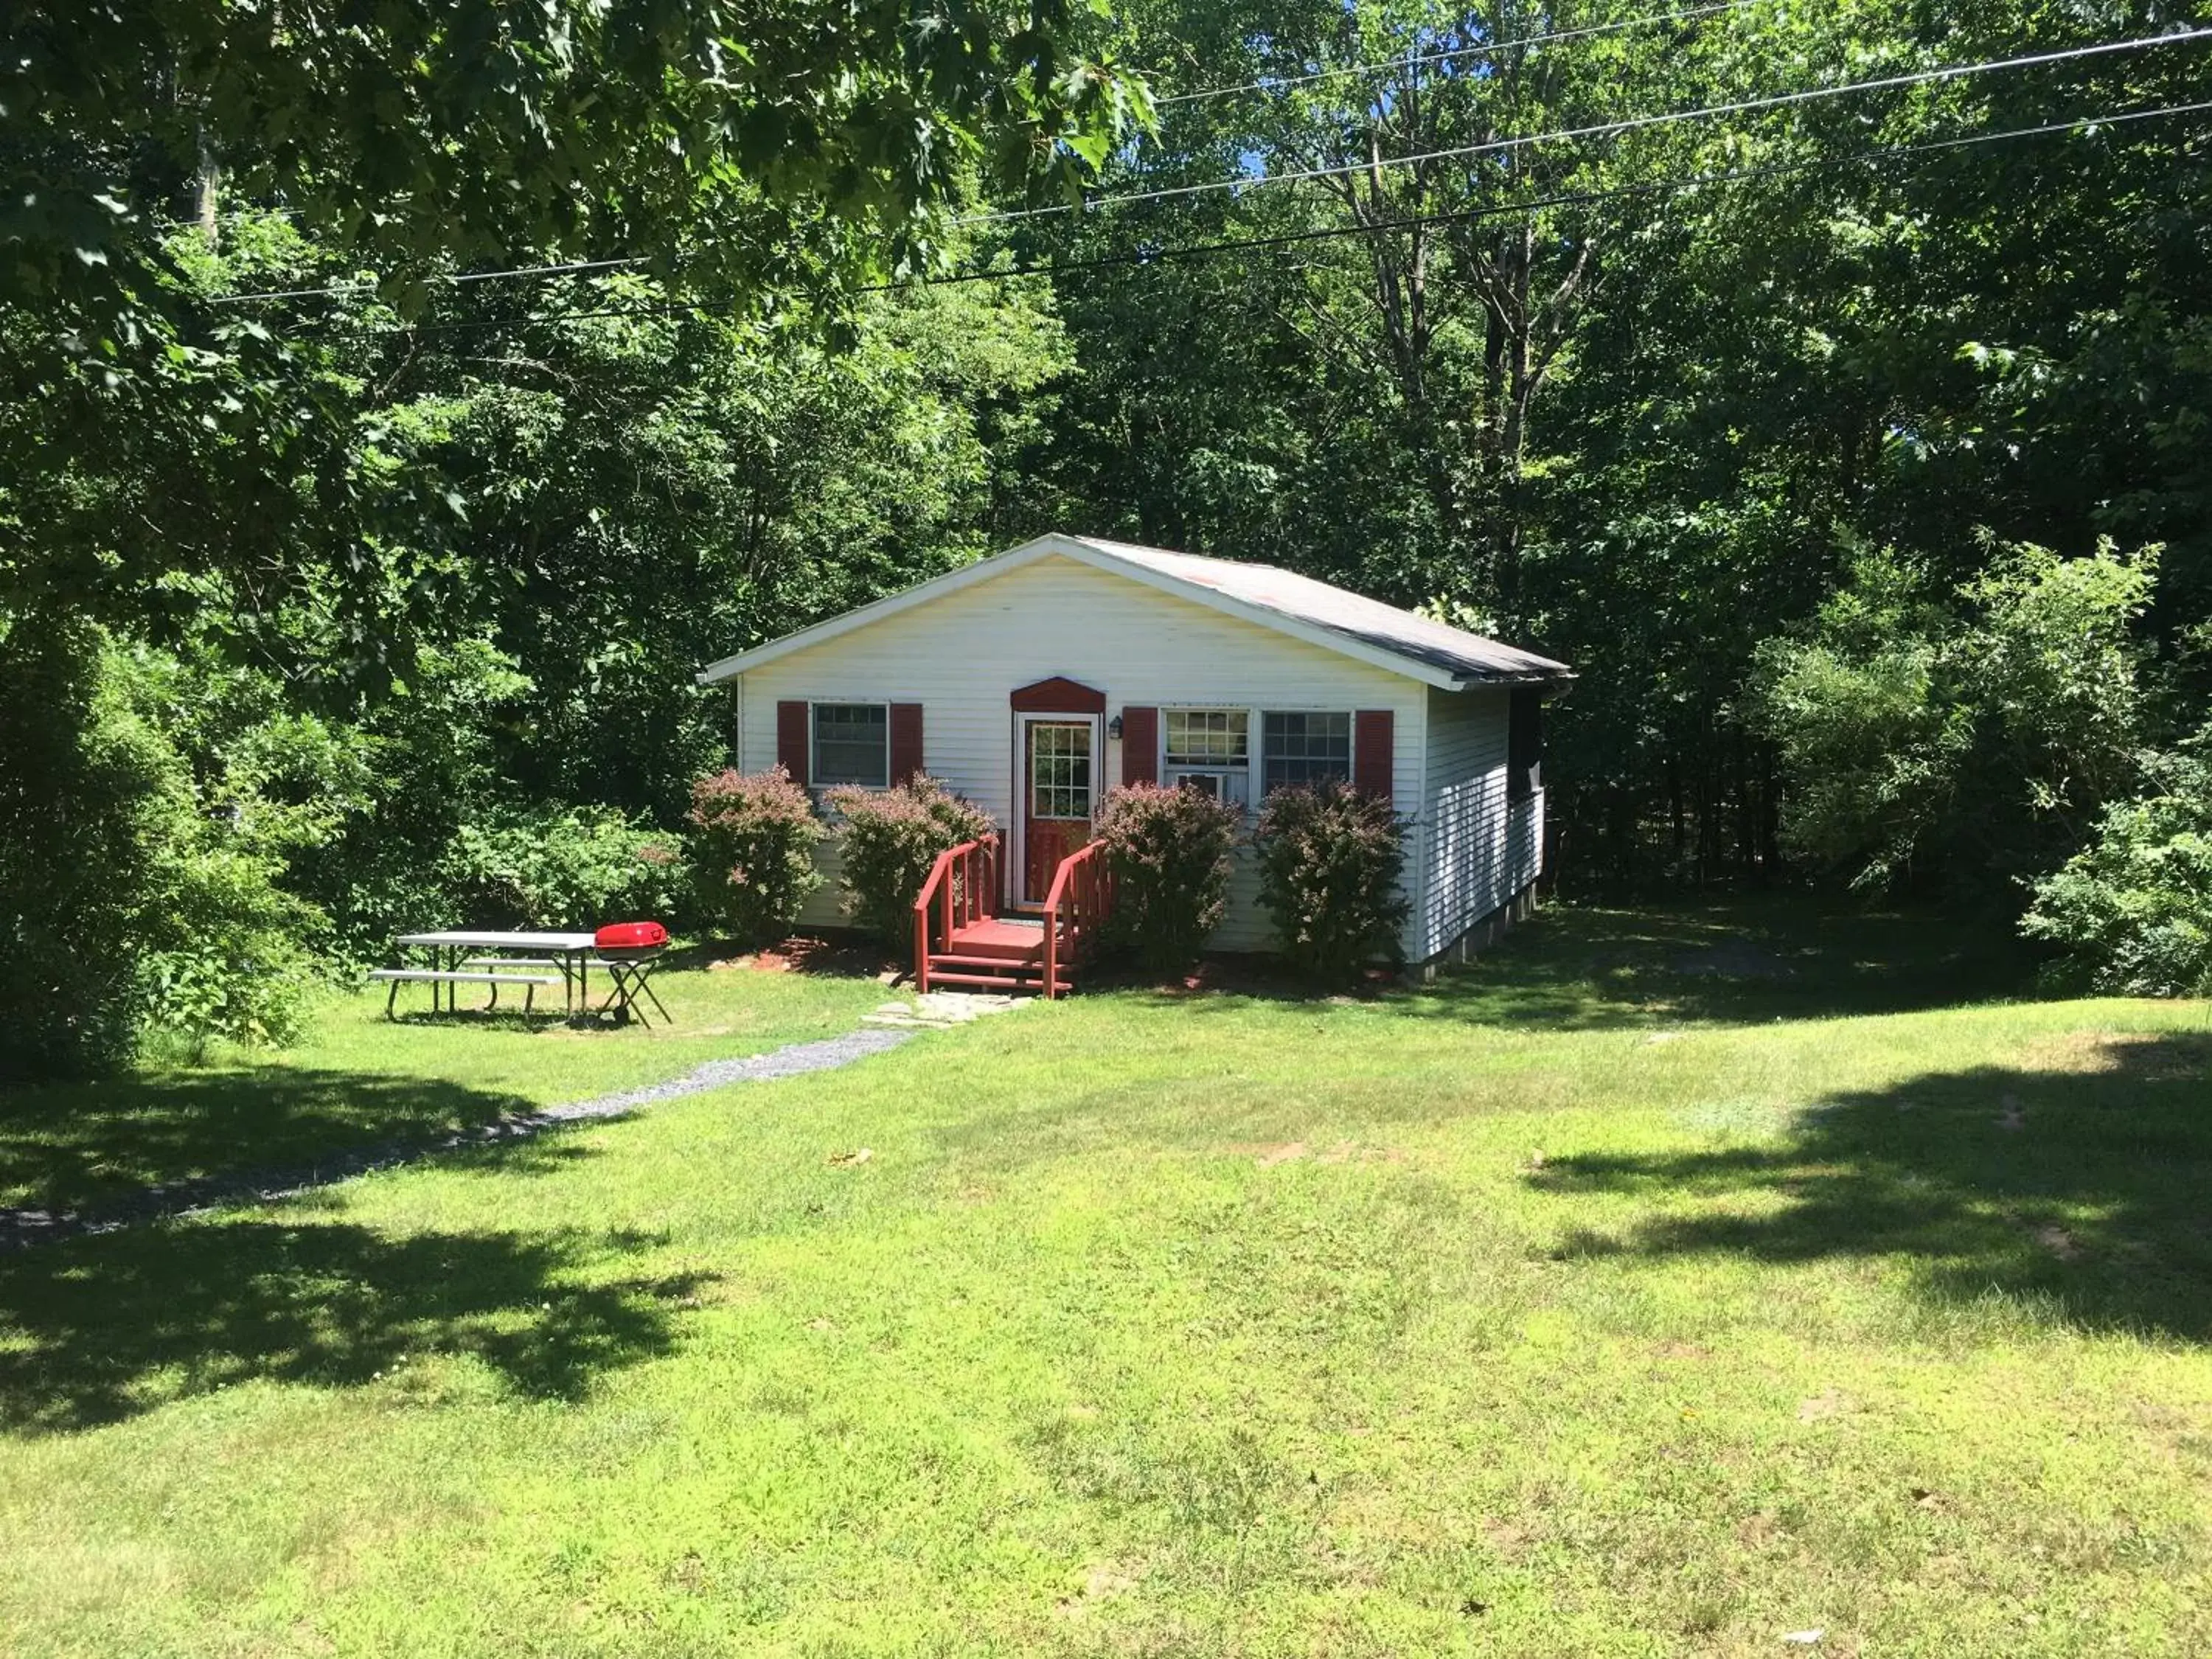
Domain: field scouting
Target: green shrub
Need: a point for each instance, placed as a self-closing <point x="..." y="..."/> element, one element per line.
<point x="79" y="781"/>
<point x="229" y="955"/>
<point x="1330" y="862"/>
<point x="2133" y="909"/>
<point x="1169" y="849"/>
<point x="1971" y="733"/>
<point x="572" y="869"/>
<point x="752" y="851"/>
<point x="422" y="762"/>
<point x="889" y="840"/>
<point x="134" y="896"/>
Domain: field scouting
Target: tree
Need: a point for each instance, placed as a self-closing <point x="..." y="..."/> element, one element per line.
<point x="735" y="156"/>
<point x="288" y="486"/>
<point x="739" y="149"/>
<point x="1834" y="341"/>
<point x="1980" y="738"/>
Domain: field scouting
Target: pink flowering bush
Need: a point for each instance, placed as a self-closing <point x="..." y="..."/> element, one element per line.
<point x="1169" y="849"/>
<point x="889" y="840"/>
<point x="1330" y="858"/>
<point x="752" y="851"/>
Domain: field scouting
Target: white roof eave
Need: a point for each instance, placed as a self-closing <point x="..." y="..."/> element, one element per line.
<point x="1100" y="558"/>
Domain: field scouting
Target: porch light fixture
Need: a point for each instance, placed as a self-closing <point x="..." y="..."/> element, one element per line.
<point x="1113" y="728"/>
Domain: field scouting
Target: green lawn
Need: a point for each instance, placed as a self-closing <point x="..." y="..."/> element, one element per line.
<point x="1668" y="1284"/>
<point x="363" y="1078"/>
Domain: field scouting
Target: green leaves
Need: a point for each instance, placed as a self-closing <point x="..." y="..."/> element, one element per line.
<point x="471" y="129"/>
<point x="1977" y="738"/>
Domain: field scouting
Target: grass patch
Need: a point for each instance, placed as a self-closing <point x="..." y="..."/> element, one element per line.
<point x="1589" y="1304"/>
<point x="362" y="1079"/>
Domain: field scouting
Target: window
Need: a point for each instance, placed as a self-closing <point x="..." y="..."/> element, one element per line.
<point x="1524" y="745"/>
<point x="1305" y="748"/>
<point x="1208" y="737"/>
<point x="1210" y="750"/>
<point x="852" y="743"/>
<point x="1059" y="771"/>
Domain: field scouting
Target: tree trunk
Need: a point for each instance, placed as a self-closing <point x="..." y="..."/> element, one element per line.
<point x="1505" y="526"/>
<point x="205" y="188"/>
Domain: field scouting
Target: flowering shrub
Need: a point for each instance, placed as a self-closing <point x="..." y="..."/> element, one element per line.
<point x="1169" y="849"/>
<point x="890" y="840"/>
<point x="752" y="851"/>
<point x="1330" y="862"/>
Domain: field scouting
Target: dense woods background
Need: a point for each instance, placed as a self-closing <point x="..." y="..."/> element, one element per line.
<point x="1857" y="449"/>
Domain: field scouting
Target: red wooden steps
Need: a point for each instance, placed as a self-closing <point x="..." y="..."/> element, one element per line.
<point x="994" y="955"/>
<point x="958" y="941"/>
<point x="995" y="939"/>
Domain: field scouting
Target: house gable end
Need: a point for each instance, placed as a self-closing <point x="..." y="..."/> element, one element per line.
<point x="1097" y="558"/>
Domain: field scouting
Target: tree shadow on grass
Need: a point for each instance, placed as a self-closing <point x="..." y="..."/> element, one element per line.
<point x="483" y="1019"/>
<point x="1735" y="961"/>
<point x="1741" y="961"/>
<point x="2077" y="1180"/>
<point x="100" y="1330"/>
<point x="71" y="1147"/>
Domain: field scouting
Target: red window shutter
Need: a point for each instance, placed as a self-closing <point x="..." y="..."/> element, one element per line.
<point x="1141" y="745"/>
<point x="791" y="734"/>
<point x="1372" y="761"/>
<point x="906" y="741"/>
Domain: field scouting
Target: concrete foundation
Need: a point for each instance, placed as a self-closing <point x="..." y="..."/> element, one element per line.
<point x="1479" y="937"/>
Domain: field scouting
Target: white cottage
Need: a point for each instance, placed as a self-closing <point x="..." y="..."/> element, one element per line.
<point x="1032" y="681"/>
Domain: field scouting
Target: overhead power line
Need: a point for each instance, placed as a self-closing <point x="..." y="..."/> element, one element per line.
<point x="1917" y="77"/>
<point x="1609" y="128"/>
<point x="1485" y="49"/>
<point x="1265" y="83"/>
<point x="1410" y="221"/>
<point x="347" y="290"/>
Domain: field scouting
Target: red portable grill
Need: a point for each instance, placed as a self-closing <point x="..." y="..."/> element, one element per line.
<point x="627" y="949"/>
<point x="626" y="941"/>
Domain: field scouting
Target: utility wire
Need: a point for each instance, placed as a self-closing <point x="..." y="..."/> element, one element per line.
<point x="1607" y="129"/>
<point x="347" y="290"/>
<point x="1917" y="77"/>
<point x="1529" y="204"/>
<point x="1265" y="83"/>
<point x="1487" y="48"/>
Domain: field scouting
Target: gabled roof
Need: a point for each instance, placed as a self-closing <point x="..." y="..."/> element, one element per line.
<point x="1377" y="634"/>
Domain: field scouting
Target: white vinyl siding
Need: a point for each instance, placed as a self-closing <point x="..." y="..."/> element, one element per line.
<point x="1478" y="848"/>
<point x="960" y="654"/>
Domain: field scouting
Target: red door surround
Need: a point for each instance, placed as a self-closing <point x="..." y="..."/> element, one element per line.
<point x="1058" y="750"/>
<point x="1057" y="696"/>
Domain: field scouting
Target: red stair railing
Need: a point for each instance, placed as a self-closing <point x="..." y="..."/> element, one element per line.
<point x="962" y="887"/>
<point x="1082" y="898"/>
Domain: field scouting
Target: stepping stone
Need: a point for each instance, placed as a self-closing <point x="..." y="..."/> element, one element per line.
<point x="939" y="1011"/>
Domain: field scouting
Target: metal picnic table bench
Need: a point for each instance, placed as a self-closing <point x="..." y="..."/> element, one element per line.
<point x="460" y="956"/>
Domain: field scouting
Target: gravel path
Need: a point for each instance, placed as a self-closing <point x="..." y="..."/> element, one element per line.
<point x="21" y="1228"/>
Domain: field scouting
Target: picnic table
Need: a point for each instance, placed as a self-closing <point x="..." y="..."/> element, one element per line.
<point x="461" y="955"/>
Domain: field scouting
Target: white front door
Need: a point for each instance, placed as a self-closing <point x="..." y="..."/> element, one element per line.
<point x="1057" y="760"/>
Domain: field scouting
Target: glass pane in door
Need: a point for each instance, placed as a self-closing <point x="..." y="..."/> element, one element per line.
<point x="1059" y="771"/>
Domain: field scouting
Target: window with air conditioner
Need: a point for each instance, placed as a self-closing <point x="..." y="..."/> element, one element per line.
<point x="1209" y="749"/>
